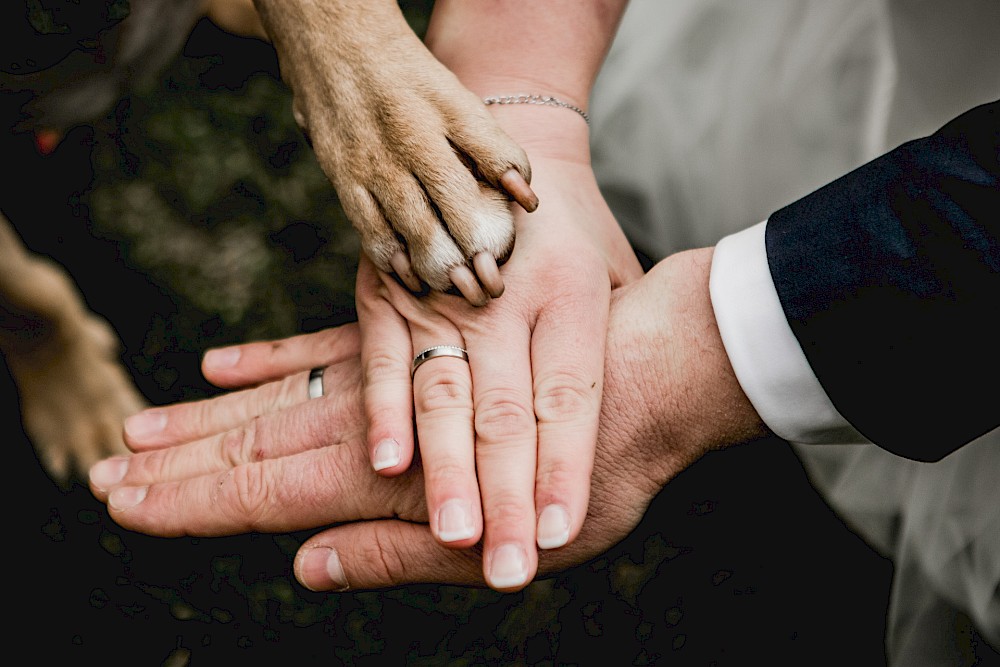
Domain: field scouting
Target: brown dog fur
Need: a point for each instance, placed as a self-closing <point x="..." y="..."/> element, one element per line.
<point x="394" y="131"/>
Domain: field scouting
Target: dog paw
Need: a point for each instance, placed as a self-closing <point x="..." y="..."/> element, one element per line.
<point x="427" y="190"/>
<point x="443" y="229"/>
<point x="421" y="168"/>
<point x="75" y="396"/>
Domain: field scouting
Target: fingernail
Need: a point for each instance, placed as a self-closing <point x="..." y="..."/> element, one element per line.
<point x="455" y="521"/>
<point x="127" y="496"/>
<point x="508" y="566"/>
<point x="221" y="358"/>
<point x="105" y="474"/>
<point x="553" y="527"/>
<point x="386" y="454"/>
<point x="145" y="424"/>
<point x="320" y="570"/>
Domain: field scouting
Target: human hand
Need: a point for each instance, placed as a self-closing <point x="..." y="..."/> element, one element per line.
<point x="507" y="439"/>
<point x="269" y="459"/>
<point x="421" y="168"/>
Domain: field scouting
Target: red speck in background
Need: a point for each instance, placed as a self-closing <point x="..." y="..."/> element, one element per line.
<point x="46" y="141"/>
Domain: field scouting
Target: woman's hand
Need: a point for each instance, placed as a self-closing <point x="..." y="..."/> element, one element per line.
<point x="269" y="459"/>
<point x="507" y="439"/>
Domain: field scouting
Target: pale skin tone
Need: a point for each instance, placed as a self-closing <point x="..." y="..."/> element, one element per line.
<point x="507" y="440"/>
<point x="266" y="458"/>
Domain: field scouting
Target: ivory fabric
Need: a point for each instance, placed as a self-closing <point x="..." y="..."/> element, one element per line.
<point x="708" y="116"/>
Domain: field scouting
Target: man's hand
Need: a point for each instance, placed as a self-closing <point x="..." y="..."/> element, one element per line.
<point x="270" y="459"/>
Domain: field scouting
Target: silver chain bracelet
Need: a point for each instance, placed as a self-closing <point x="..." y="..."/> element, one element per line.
<point x="547" y="100"/>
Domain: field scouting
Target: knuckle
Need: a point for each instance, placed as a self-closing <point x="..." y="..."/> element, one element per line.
<point x="154" y="464"/>
<point x="555" y="478"/>
<point x="274" y="397"/>
<point x="446" y="473"/>
<point x="243" y="491"/>
<point x="501" y="415"/>
<point x="237" y="445"/>
<point x="384" y="556"/>
<point x="334" y="344"/>
<point x="563" y="396"/>
<point x="411" y="507"/>
<point x="197" y="419"/>
<point x="508" y="512"/>
<point x="382" y="414"/>
<point x="382" y="366"/>
<point x="446" y="390"/>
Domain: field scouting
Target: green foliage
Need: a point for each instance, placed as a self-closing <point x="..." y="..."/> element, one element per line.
<point x="214" y="193"/>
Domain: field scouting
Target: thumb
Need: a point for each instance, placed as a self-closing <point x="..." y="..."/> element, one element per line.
<point x="379" y="554"/>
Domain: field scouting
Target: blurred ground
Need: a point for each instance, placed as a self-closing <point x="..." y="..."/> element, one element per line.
<point x="195" y="215"/>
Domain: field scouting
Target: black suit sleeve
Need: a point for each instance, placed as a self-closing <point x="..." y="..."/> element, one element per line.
<point x="890" y="280"/>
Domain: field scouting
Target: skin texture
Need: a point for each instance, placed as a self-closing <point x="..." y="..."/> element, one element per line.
<point x="391" y="126"/>
<point x="520" y="419"/>
<point x="421" y="169"/>
<point x="267" y="458"/>
<point x="507" y="440"/>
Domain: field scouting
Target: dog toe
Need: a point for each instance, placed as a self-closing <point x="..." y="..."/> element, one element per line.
<point x="488" y="273"/>
<point x="465" y="282"/>
<point x="517" y="187"/>
<point x="400" y="263"/>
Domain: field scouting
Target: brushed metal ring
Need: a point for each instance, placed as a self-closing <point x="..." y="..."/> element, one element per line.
<point x="438" y="351"/>
<point x="316" y="383"/>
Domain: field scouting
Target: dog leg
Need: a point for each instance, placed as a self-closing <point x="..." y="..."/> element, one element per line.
<point x="419" y="165"/>
<point x="74" y="392"/>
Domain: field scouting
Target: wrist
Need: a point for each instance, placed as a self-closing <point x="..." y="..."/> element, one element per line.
<point x="545" y="132"/>
<point x="711" y="400"/>
<point x="538" y="100"/>
<point x="684" y="395"/>
<point x="552" y="49"/>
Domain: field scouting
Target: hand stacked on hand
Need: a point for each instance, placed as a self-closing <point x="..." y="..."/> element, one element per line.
<point x="506" y="440"/>
<point x="266" y="458"/>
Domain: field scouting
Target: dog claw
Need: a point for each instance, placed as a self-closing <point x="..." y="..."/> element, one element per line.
<point x="465" y="281"/>
<point x="400" y="263"/>
<point x="518" y="188"/>
<point x="489" y="274"/>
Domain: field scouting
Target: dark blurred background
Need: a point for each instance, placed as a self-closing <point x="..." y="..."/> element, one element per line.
<point x="194" y="215"/>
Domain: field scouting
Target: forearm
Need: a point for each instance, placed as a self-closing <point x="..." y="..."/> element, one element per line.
<point x="557" y="45"/>
<point x="319" y="41"/>
<point x="509" y="47"/>
<point x="306" y="24"/>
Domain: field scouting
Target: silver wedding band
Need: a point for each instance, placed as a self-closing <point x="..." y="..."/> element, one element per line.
<point x="316" y="383"/>
<point x="438" y="351"/>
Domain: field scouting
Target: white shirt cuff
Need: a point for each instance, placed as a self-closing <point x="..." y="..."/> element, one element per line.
<point x="767" y="358"/>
